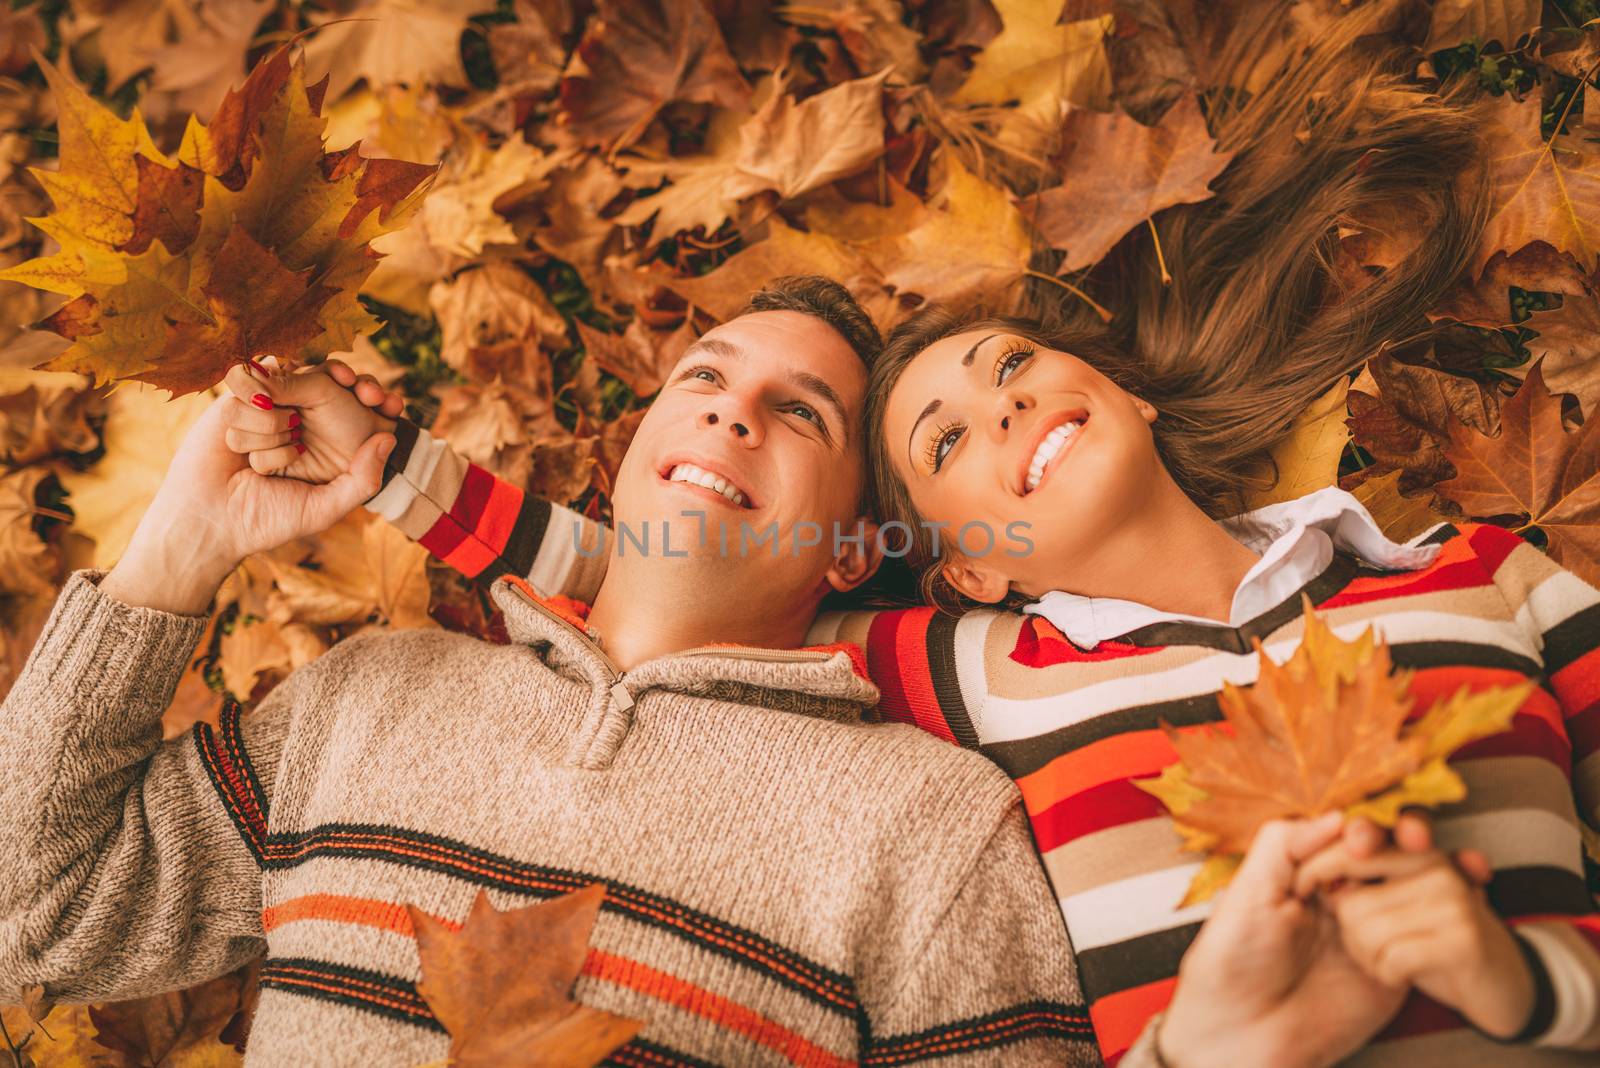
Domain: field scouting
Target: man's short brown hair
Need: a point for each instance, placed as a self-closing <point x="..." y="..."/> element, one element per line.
<point x="825" y="299"/>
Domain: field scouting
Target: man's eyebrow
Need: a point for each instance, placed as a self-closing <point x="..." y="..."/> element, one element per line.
<point x="715" y="347"/>
<point x="966" y="361"/>
<point x="809" y="381"/>
<point x="911" y="438"/>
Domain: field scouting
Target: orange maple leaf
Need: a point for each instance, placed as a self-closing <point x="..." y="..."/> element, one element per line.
<point x="1537" y="470"/>
<point x="502" y="984"/>
<point x="1329" y="730"/>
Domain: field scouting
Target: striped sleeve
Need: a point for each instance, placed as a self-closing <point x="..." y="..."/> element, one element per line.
<point x="482" y="525"/>
<point x="928" y="665"/>
<point x="994" y="982"/>
<point x="1561" y="615"/>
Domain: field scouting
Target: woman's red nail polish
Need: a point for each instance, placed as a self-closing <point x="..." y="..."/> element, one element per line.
<point x="262" y="401"/>
<point x="259" y="369"/>
<point x="299" y="447"/>
<point x="294" y="420"/>
<point x="294" y="435"/>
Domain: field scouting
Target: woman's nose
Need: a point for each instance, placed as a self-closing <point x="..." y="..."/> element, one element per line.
<point x="1007" y="407"/>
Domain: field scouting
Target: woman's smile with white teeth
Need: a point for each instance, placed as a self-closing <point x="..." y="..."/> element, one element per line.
<point x="699" y="476"/>
<point x="1052" y="446"/>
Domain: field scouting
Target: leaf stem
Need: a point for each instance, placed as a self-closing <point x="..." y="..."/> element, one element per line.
<point x="1166" y="279"/>
<point x="1105" y="316"/>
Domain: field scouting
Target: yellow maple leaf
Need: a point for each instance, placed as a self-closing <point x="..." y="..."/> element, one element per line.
<point x="1329" y="730"/>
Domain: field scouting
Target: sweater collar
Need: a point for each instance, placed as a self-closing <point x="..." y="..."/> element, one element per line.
<point x="823" y="681"/>
<point x="1296" y="541"/>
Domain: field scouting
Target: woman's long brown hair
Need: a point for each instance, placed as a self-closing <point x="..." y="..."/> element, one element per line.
<point x="1258" y="319"/>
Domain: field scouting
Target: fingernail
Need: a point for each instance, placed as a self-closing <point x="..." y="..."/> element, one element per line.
<point x="294" y="420"/>
<point x="262" y="401"/>
<point x="259" y="369"/>
<point x="294" y="435"/>
<point x="298" y="447"/>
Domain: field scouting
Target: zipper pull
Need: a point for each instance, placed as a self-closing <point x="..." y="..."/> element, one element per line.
<point x="620" y="694"/>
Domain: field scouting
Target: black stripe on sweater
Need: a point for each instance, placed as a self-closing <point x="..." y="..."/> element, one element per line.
<point x="533" y="520"/>
<point x="1024" y="756"/>
<point x="222" y="754"/>
<point x="398" y="845"/>
<point x="1147" y="958"/>
<point x="405" y="439"/>
<point x="398" y="999"/>
<point x="1034" y="1019"/>
<point x="360" y="988"/>
<point x="940" y="637"/>
<point x="1570" y="639"/>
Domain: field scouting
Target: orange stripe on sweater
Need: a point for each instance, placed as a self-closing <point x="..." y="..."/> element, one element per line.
<point x="606" y="967"/>
<point x="1121" y="756"/>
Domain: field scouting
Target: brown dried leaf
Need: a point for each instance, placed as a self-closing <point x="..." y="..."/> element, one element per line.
<point x="1406" y="424"/>
<point x="1482" y="21"/>
<point x="1536" y="470"/>
<point x="793" y="148"/>
<point x="1401" y="518"/>
<point x="640" y="356"/>
<point x="501" y="983"/>
<point x="389" y="42"/>
<point x="1117" y="173"/>
<point x="1543" y="190"/>
<point x="638" y="56"/>
<point x="171" y="1030"/>
<point x="491" y="305"/>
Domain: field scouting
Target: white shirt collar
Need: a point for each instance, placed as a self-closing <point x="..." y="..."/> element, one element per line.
<point x="1296" y="540"/>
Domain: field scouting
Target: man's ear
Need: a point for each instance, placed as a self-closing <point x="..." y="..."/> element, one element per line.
<point x="976" y="580"/>
<point x="857" y="560"/>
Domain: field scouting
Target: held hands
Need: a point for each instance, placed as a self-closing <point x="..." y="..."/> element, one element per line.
<point x="1412" y="917"/>
<point x="308" y="425"/>
<point x="1267" y="980"/>
<point x="215" y="507"/>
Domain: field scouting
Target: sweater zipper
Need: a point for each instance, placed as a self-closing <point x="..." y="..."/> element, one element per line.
<point x="619" y="689"/>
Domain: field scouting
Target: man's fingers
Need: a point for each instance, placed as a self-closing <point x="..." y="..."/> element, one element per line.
<point x="1363" y="838"/>
<point x="1269" y="866"/>
<point x="339" y="371"/>
<point x="1414" y="831"/>
<point x="266" y="461"/>
<point x="248" y="441"/>
<point x="334" y="500"/>
<point x="368" y="391"/>
<point x="394" y="405"/>
<point x="1475" y="866"/>
<point x="1337" y="865"/>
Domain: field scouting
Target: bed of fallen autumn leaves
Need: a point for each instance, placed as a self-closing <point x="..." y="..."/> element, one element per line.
<point x="614" y="175"/>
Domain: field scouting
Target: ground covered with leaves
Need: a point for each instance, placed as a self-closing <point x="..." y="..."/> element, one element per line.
<point x="566" y="192"/>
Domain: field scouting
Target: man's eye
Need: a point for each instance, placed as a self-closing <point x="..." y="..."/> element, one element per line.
<point x="704" y="373"/>
<point x="806" y="413"/>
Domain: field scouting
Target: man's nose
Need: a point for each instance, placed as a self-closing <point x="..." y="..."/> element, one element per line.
<point x="1008" y="406"/>
<point x="728" y="412"/>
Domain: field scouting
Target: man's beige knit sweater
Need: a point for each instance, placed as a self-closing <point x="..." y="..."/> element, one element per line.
<point x="786" y="884"/>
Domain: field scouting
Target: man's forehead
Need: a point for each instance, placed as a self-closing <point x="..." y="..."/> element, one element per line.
<point x="790" y="337"/>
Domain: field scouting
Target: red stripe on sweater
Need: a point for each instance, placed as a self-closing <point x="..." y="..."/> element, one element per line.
<point x="499" y="516"/>
<point x="897" y="657"/>
<point x="1111" y="804"/>
<point x="1041" y="644"/>
<point x="598" y="964"/>
<point x="1120" y="1017"/>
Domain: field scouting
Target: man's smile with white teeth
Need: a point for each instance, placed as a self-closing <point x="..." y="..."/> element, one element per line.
<point x="699" y="476"/>
<point x="1053" y="445"/>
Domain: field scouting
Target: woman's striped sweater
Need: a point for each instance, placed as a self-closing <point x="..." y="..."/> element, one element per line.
<point x="1073" y="727"/>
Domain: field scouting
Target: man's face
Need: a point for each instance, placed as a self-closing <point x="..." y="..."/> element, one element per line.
<point x="767" y="409"/>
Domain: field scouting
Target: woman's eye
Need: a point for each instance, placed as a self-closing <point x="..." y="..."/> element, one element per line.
<point x="942" y="447"/>
<point x="1010" y="363"/>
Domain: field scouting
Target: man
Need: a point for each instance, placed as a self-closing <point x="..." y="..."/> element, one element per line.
<point x="785" y="884"/>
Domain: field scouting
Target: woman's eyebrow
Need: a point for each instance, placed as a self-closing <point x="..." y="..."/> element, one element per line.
<point x="911" y="438"/>
<point x="966" y="361"/>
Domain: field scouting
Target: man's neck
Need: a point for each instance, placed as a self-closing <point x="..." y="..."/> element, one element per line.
<point x="650" y="608"/>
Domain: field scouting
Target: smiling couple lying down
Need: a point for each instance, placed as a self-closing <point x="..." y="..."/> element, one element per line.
<point x="877" y="837"/>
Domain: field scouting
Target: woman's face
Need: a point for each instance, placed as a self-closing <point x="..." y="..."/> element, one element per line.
<point x="986" y="427"/>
